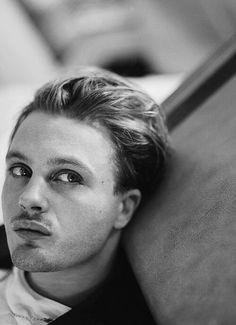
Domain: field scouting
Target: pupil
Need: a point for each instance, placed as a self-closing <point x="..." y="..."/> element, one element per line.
<point x="21" y="171"/>
<point x="71" y="177"/>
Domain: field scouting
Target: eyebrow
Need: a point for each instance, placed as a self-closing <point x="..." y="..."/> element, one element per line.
<point x="16" y="154"/>
<point x="55" y="161"/>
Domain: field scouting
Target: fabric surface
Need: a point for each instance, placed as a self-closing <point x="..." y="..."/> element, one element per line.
<point x="182" y="245"/>
<point x="5" y="316"/>
<point x="26" y="305"/>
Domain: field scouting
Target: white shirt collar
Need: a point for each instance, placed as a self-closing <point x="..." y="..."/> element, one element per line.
<point x="26" y="304"/>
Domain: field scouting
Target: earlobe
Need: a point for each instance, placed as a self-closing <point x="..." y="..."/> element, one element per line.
<point x="129" y="203"/>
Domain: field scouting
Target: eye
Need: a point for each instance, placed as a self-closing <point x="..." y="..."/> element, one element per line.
<point x="20" y="171"/>
<point x="68" y="177"/>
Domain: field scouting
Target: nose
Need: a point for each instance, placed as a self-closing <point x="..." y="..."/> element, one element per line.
<point x="33" y="199"/>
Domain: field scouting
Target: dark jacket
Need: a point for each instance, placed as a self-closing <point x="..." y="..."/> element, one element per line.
<point x="118" y="301"/>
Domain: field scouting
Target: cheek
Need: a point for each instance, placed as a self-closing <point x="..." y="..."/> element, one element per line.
<point x="10" y="207"/>
<point x="87" y="218"/>
<point x="6" y="199"/>
<point x="9" y="198"/>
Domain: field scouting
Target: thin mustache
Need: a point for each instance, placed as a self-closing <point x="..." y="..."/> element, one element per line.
<point x="24" y="216"/>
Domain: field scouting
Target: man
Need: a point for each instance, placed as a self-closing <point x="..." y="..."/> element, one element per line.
<point x="82" y="157"/>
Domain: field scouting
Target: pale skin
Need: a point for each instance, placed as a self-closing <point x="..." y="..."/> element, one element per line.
<point x="61" y="172"/>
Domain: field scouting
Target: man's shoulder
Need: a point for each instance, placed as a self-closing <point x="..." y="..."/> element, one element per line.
<point x="124" y="296"/>
<point x="118" y="300"/>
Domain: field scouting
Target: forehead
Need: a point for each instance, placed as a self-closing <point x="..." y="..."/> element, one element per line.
<point x="43" y="136"/>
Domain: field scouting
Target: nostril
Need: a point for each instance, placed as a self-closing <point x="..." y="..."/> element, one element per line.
<point x="35" y="204"/>
<point x="36" y="208"/>
<point x="33" y="208"/>
<point x="22" y="206"/>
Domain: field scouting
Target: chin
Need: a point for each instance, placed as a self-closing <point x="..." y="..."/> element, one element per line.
<point x="31" y="261"/>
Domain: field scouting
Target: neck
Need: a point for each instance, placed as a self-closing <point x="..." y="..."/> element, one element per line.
<point x="71" y="286"/>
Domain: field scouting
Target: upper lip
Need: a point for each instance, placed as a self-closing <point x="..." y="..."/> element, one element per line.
<point x="31" y="225"/>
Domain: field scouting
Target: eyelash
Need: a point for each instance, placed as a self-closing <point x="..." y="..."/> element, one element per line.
<point x="78" y="177"/>
<point x="26" y="172"/>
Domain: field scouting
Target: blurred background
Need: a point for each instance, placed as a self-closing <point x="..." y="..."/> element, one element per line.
<point x="157" y="43"/>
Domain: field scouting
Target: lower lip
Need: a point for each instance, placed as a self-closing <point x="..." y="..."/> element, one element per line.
<point x="30" y="234"/>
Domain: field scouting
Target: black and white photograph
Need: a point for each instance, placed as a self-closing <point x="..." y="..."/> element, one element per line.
<point x="118" y="162"/>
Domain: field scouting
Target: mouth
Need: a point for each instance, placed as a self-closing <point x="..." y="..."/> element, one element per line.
<point x="30" y="229"/>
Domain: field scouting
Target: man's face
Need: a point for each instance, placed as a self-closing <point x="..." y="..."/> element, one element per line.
<point x="59" y="205"/>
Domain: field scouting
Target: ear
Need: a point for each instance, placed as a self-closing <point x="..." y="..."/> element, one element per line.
<point x="129" y="201"/>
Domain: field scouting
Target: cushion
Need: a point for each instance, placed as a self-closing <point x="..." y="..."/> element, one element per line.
<point x="182" y="244"/>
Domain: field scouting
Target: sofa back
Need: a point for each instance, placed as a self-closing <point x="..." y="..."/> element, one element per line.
<point x="182" y="244"/>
